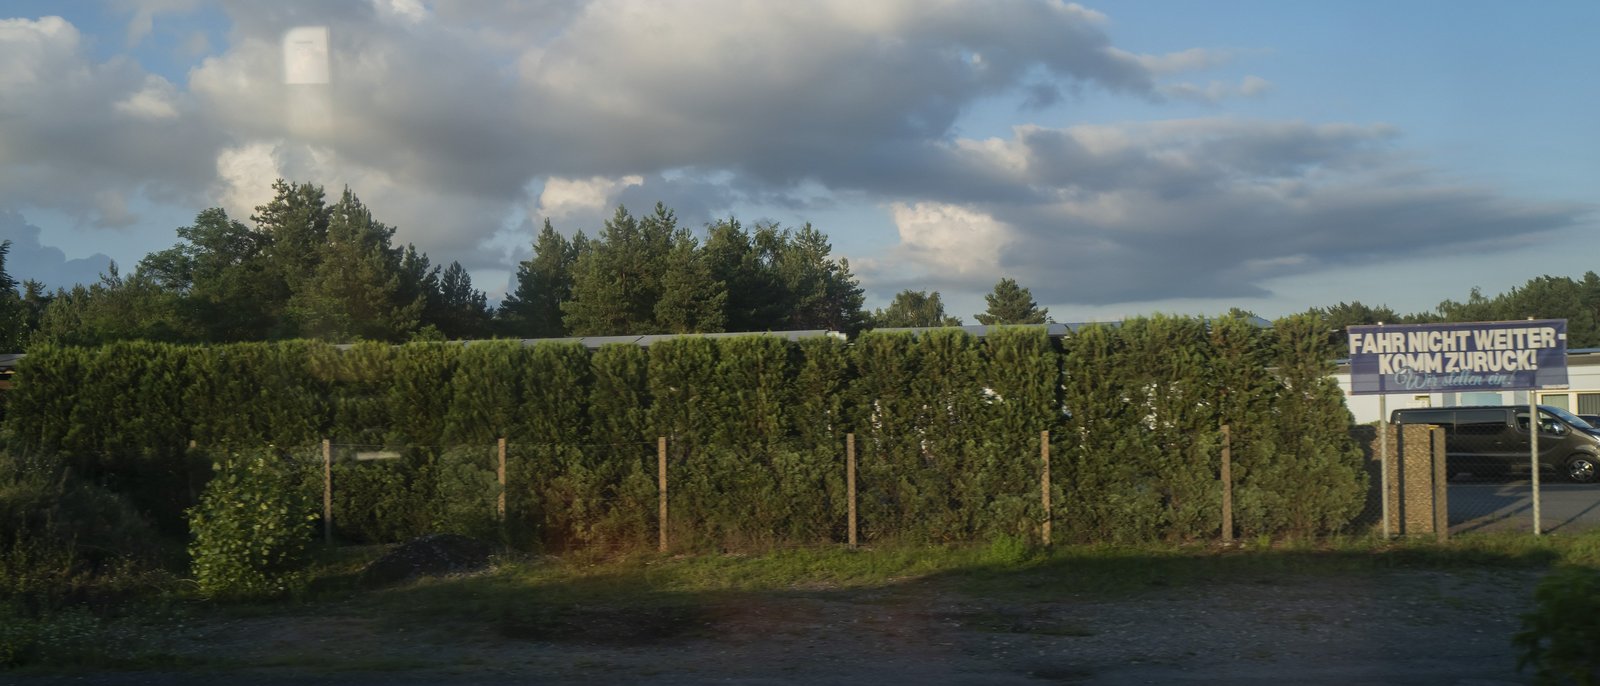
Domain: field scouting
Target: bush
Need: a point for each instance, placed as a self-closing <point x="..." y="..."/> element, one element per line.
<point x="253" y="526"/>
<point x="62" y="538"/>
<point x="1561" y="637"/>
<point x="384" y="501"/>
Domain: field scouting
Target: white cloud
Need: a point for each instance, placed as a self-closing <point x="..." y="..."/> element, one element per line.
<point x="145" y="13"/>
<point x="1216" y="91"/>
<point x="34" y="49"/>
<point x="155" y="101"/>
<point x="408" y="11"/>
<point x="245" y="174"/>
<point x="1193" y="59"/>
<point x="76" y="128"/>
<point x="442" y="118"/>
<point x="564" y="198"/>
<point x="950" y="238"/>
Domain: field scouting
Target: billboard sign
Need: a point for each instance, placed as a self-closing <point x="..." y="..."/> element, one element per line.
<point x="1458" y="357"/>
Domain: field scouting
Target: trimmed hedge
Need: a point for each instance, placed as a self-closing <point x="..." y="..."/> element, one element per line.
<point x="947" y="426"/>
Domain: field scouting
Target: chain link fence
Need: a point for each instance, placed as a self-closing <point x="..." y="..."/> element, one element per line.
<point x="1494" y="481"/>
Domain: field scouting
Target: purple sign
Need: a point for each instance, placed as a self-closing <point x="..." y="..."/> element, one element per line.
<point x="1447" y="358"/>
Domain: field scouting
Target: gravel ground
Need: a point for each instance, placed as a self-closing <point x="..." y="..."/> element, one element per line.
<point x="1393" y="627"/>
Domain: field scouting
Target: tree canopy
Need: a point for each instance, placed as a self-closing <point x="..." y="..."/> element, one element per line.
<point x="303" y="266"/>
<point x="1012" y="304"/>
<point x="307" y="267"/>
<point x="914" y="309"/>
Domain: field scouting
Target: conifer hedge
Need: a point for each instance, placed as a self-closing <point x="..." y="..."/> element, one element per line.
<point x="947" y="426"/>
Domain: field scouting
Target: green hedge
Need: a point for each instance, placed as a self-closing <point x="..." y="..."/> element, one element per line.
<point x="948" y="428"/>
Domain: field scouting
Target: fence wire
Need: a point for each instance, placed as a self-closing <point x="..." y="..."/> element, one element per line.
<point x="1464" y="475"/>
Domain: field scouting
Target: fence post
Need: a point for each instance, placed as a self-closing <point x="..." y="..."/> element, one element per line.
<point x="661" y="487"/>
<point x="327" y="491"/>
<point x="500" y="504"/>
<point x="1227" y="484"/>
<point x="1044" y="484"/>
<point x="850" y="481"/>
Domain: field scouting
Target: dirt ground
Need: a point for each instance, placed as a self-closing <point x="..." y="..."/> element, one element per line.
<point x="1389" y="627"/>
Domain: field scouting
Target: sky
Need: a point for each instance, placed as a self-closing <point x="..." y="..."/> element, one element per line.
<point x="1116" y="158"/>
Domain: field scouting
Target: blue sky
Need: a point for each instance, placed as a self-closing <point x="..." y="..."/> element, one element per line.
<point x="1116" y="158"/>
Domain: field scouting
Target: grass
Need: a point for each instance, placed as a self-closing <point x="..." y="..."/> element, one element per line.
<point x="644" y="597"/>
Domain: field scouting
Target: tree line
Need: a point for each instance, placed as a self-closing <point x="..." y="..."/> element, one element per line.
<point x="1542" y="297"/>
<point x="307" y="266"/>
<point x="311" y="266"/>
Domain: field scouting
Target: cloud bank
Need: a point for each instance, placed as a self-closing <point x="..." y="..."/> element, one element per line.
<point x="466" y="123"/>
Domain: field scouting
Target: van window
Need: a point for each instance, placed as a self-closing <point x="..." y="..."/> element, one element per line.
<point x="1441" y="417"/>
<point x="1480" y="422"/>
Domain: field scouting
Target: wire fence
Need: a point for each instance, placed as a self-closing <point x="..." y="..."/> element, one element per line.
<point x="1495" y="483"/>
<point x="1439" y="480"/>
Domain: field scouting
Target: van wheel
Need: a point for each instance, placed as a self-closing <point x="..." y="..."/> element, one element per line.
<point x="1581" y="469"/>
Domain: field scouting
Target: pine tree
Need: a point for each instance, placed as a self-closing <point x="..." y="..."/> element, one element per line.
<point x="354" y="291"/>
<point x="617" y="280"/>
<point x="533" y="308"/>
<point x="691" y="300"/>
<point x="914" y="309"/>
<point x="13" y="314"/>
<point x="733" y="260"/>
<point x="419" y="278"/>
<point x="821" y="292"/>
<point x="116" y="308"/>
<point x="1012" y="304"/>
<point x="460" y="311"/>
<point x="222" y="273"/>
<point x="296" y="220"/>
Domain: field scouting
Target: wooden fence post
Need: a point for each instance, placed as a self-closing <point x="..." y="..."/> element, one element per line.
<point x="1227" y="484"/>
<point x="661" y="486"/>
<point x="850" y="481"/>
<point x="1044" y="483"/>
<point x="500" y="504"/>
<point x="327" y="491"/>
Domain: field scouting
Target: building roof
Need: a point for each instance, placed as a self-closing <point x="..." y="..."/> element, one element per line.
<point x="644" y="340"/>
<point x="1054" y="329"/>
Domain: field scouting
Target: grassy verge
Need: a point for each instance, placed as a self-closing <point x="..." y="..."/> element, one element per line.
<point x="647" y="597"/>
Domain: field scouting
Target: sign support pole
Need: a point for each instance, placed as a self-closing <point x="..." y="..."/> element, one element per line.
<point x="1383" y="458"/>
<point x="1533" y="431"/>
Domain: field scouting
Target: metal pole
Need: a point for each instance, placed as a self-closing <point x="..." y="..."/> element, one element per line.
<point x="1383" y="457"/>
<point x="1533" y="428"/>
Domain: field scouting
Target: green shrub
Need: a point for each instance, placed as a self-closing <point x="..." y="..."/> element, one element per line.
<point x="622" y="449"/>
<point x="1560" y="638"/>
<point x="62" y="538"/>
<point x="467" y="487"/>
<point x="253" y="526"/>
<point x="384" y="501"/>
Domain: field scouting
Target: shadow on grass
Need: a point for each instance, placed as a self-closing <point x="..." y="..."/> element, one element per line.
<point x="651" y="599"/>
<point x="655" y="598"/>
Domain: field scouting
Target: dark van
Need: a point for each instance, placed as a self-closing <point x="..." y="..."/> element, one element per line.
<point x="1494" y="440"/>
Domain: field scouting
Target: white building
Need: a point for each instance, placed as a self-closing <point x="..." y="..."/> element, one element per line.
<point x="1582" y="395"/>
